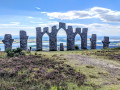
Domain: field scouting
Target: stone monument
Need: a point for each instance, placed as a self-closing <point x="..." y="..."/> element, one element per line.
<point x="53" y="37"/>
<point x="8" y="41"/>
<point x="93" y="41"/>
<point x="106" y="42"/>
<point x="23" y="40"/>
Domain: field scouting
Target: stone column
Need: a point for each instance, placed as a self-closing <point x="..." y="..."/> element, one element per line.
<point x="61" y="47"/>
<point x="84" y="38"/>
<point x="38" y="39"/>
<point x="93" y="41"/>
<point x="106" y="42"/>
<point x="70" y="38"/>
<point x="8" y="41"/>
<point x="53" y="39"/>
<point x="23" y="40"/>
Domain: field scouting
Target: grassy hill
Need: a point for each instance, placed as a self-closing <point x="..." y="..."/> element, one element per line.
<point x="68" y="70"/>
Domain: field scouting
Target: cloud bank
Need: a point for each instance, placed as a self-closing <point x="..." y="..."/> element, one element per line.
<point x="104" y="14"/>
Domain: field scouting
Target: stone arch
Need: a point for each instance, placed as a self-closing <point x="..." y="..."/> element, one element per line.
<point x="77" y="40"/>
<point x="45" y="42"/>
<point x="69" y="33"/>
<point x="77" y="33"/>
<point x="83" y="35"/>
<point x="70" y="37"/>
<point x="39" y="36"/>
<point x="62" y="29"/>
<point x="63" y="39"/>
<point x="45" y="31"/>
<point x="47" y="34"/>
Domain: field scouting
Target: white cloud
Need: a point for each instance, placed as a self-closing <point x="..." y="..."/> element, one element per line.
<point x="35" y="22"/>
<point x="69" y="15"/>
<point x="100" y="29"/>
<point x="48" y="24"/>
<point x="44" y="12"/>
<point x="10" y="24"/>
<point x="18" y="28"/>
<point x="30" y="17"/>
<point x="104" y="14"/>
<point x="15" y="30"/>
<point x="38" y="8"/>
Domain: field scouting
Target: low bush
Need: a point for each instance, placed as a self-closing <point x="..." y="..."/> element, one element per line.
<point x="76" y="47"/>
<point x="14" y="52"/>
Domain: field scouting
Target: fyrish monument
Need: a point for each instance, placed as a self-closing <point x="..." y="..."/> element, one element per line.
<point x="53" y="38"/>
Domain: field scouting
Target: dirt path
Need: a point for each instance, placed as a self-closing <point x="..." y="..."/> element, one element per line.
<point x="95" y="62"/>
<point x="111" y="66"/>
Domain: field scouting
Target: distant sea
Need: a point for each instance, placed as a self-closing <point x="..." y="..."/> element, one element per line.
<point x="115" y="42"/>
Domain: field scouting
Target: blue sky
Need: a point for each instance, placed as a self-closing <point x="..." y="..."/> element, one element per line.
<point x="102" y="17"/>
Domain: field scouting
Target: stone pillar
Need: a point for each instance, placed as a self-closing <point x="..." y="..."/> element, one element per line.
<point x="23" y="40"/>
<point x="106" y="42"/>
<point x="84" y="38"/>
<point x="8" y="41"/>
<point x="70" y="38"/>
<point x="93" y="41"/>
<point x="53" y="39"/>
<point x="61" y="47"/>
<point x="38" y="39"/>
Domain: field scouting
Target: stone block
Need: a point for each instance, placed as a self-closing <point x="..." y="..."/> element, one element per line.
<point x="106" y="42"/>
<point x="93" y="40"/>
<point x="61" y="47"/>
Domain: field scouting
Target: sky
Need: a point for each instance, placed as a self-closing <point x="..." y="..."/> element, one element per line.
<point x="101" y="17"/>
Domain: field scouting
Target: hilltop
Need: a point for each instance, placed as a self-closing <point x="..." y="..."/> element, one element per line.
<point x="69" y="70"/>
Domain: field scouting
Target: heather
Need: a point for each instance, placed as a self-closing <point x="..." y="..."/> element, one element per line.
<point x="36" y="72"/>
<point x="58" y="70"/>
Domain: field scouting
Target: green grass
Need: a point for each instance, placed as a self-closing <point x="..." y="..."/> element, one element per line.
<point x="96" y="77"/>
<point x="3" y="54"/>
<point x="110" y="87"/>
<point x="38" y="72"/>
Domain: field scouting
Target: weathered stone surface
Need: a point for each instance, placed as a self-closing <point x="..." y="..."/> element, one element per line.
<point x="61" y="47"/>
<point x="62" y="25"/>
<point x="84" y="38"/>
<point x="8" y="41"/>
<point x="78" y="31"/>
<point x="106" y="42"/>
<point x="38" y="39"/>
<point x="53" y="37"/>
<point x="39" y="36"/>
<point x="93" y="41"/>
<point x="45" y="30"/>
<point x="23" y="40"/>
<point x="70" y="38"/>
